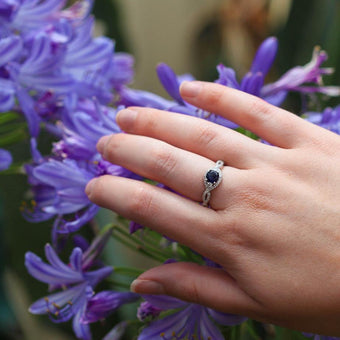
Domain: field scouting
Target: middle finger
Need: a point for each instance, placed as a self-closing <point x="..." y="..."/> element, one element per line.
<point x="198" y="136"/>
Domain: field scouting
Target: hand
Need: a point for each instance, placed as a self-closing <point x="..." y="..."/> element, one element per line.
<point x="274" y="221"/>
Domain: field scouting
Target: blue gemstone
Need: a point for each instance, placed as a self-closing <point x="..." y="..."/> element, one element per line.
<point x="212" y="176"/>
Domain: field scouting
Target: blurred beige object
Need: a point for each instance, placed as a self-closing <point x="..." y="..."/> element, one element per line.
<point x="246" y="23"/>
<point x="162" y="31"/>
<point x="166" y="31"/>
<point x="31" y="328"/>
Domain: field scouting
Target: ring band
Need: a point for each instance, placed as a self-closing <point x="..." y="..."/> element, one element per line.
<point x="212" y="179"/>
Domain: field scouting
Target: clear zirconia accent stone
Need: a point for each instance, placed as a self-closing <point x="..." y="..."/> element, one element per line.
<point x="212" y="176"/>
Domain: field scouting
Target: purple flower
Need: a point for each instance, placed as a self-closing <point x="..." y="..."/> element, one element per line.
<point x="78" y="11"/>
<point x="83" y="124"/>
<point x="78" y="285"/>
<point x="77" y="300"/>
<point x="252" y="82"/>
<point x="5" y="159"/>
<point x="132" y="97"/>
<point x="88" y="59"/>
<point x="10" y="48"/>
<point x="59" y="189"/>
<point x="121" y="70"/>
<point x="294" y="79"/>
<point x="8" y="9"/>
<point x="42" y="69"/>
<point x="134" y="226"/>
<point x="147" y="310"/>
<point x="328" y="119"/>
<point x="101" y="305"/>
<point x="49" y="57"/>
<point x="32" y="14"/>
<point x="171" y="82"/>
<point x="188" y="322"/>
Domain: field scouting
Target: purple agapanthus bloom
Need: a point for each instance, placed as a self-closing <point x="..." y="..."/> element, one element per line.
<point x="8" y="9"/>
<point x="77" y="279"/>
<point x="189" y="321"/>
<point x="59" y="189"/>
<point x="147" y="310"/>
<point x="101" y="305"/>
<point x="82" y="125"/>
<point x="5" y="159"/>
<point x="294" y="79"/>
<point x="88" y="59"/>
<point x="328" y="119"/>
<point x="58" y="183"/>
<point x="252" y="83"/>
<point x="78" y="285"/>
<point x="121" y="70"/>
<point x="28" y="15"/>
<point x="49" y="56"/>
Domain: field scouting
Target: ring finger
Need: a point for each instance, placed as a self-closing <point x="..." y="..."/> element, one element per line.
<point x="178" y="169"/>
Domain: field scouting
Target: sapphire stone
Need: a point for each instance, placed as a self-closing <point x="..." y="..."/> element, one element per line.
<point x="212" y="176"/>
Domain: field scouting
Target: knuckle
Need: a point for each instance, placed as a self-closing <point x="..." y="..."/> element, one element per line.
<point x="141" y="201"/>
<point x="146" y="122"/>
<point x="186" y="286"/>
<point x="259" y="110"/>
<point x="195" y="293"/>
<point x="213" y="95"/>
<point x="113" y="143"/>
<point x="235" y="235"/>
<point x="254" y="198"/>
<point x="98" y="190"/>
<point x="205" y="136"/>
<point x="162" y="161"/>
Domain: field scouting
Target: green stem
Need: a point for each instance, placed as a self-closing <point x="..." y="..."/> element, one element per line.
<point x="14" y="169"/>
<point x="142" y="245"/>
<point x="119" y="283"/>
<point x="8" y="117"/>
<point x="138" y="249"/>
<point x="251" y="331"/>
<point x="12" y="137"/>
<point x="128" y="271"/>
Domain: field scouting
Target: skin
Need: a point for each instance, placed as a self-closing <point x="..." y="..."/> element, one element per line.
<point x="274" y="221"/>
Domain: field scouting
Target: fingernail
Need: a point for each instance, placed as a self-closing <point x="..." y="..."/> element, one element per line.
<point x="101" y="143"/>
<point x="89" y="186"/>
<point x="146" y="287"/>
<point x="190" y="88"/>
<point x="125" y="118"/>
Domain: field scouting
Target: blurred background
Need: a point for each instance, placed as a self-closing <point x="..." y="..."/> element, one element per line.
<point x="192" y="36"/>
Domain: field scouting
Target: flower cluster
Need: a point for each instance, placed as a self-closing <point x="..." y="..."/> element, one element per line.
<point x="62" y="79"/>
<point x="77" y="299"/>
<point x="190" y="321"/>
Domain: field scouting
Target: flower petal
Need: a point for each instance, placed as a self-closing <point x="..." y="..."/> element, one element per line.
<point x="226" y="319"/>
<point x="5" y="159"/>
<point x="172" y="324"/>
<point x="168" y="79"/>
<point x="165" y="302"/>
<point x="48" y="274"/>
<point x="265" y="56"/>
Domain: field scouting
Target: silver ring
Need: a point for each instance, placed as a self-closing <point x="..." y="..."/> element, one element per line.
<point x="212" y="179"/>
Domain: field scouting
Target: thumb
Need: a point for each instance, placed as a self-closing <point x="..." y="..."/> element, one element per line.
<point x="207" y="286"/>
